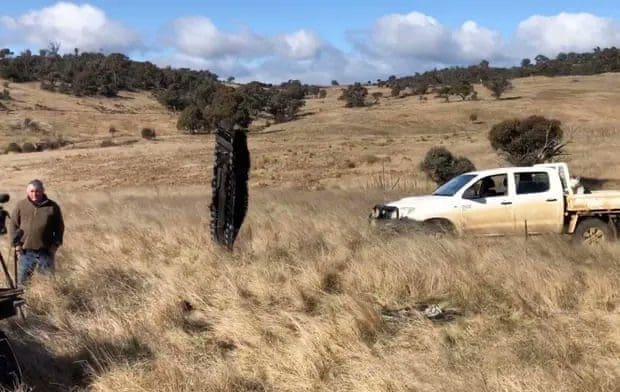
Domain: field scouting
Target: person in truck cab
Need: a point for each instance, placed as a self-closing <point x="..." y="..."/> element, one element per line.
<point x="487" y="188"/>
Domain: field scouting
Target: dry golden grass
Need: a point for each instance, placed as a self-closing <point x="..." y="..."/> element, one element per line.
<point x="142" y="301"/>
<point x="310" y="298"/>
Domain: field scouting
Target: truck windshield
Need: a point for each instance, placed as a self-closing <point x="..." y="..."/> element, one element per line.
<point x="453" y="186"/>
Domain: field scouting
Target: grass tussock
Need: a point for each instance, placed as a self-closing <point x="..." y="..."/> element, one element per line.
<point x="143" y="301"/>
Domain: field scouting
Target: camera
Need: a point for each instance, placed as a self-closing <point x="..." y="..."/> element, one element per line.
<point x="3" y="214"/>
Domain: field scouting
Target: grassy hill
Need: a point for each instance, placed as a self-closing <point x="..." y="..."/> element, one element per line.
<point x="312" y="299"/>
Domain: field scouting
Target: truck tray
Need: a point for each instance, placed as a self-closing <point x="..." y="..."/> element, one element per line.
<point x="595" y="201"/>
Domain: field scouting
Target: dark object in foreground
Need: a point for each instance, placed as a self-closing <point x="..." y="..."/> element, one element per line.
<point x="10" y="301"/>
<point x="229" y="185"/>
<point x="10" y="373"/>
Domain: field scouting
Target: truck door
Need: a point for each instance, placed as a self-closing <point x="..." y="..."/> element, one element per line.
<point x="487" y="207"/>
<point x="538" y="202"/>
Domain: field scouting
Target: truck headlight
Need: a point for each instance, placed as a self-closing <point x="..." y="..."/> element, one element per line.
<point x="381" y="211"/>
<point x="406" y="211"/>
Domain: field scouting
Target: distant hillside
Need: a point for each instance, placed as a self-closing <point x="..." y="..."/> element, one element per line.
<point x="204" y="101"/>
<point x="596" y="62"/>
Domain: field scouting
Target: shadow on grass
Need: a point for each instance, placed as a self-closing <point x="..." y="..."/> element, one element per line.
<point x="260" y="133"/>
<point x="44" y="370"/>
<point x="305" y="114"/>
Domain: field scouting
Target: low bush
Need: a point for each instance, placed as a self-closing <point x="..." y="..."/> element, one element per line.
<point x="355" y="95"/>
<point x="527" y="141"/>
<point x="148" y="133"/>
<point x="28" y="147"/>
<point x="440" y="165"/>
<point x="13" y="147"/>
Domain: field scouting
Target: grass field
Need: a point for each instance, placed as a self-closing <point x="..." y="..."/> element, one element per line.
<point x="313" y="298"/>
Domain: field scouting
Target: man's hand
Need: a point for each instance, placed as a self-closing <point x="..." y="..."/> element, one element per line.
<point x="18" y="249"/>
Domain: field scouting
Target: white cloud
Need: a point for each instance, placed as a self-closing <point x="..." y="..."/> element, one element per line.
<point x="413" y="34"/>
<point x="394" y="44"/>
<point x="301" y="44"/>
<point x="73" y="26"/>
<point x="475" y="43"/>
<point x="199" y="36"/>
<point x="565" y="32"/>
<point x="421" y="41"/>
<point x="248" y="55"/>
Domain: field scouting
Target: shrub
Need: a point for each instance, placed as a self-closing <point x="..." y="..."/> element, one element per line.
<point x="462" y="88"/>
<point x="322" y="93"/>
<point x="32" y="125"/>
<point x="53" y="143"/>
<point x="148" y="133"/>
<point x="112" y="130"/>
<point x="498" y="86"/>
<point x="5" y="95"/>
<point x="48" y="86"/>
<point x="420" y="89"/>
<point x="377" y="95"/>
<point x="283" y="107"/>
<point x="443" y="92"/>
<point x="473" y="117"/>
<point x="355" y="95"/>
<point x="28" y="147"/>
<point x="13" y="147"/>
<point x="440" y="165"/>
<point x="395" y="92"/>
<point x="227" y="110"/>
<point x="527" y="141"/>
<point x="191" y="120"/>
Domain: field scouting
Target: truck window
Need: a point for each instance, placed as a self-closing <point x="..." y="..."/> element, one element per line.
<point x="491" y="186"/>
<point x="454" y="185"/>
<point x="531" y="182"/>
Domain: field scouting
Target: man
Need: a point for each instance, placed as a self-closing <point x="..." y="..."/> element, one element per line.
<point x="40" y="220"/>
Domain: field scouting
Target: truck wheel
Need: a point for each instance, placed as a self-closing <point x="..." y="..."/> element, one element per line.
<point x="592" y="231"/>
<point x="439" y="227"/>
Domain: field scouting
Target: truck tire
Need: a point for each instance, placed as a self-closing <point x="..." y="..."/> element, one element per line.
<point x="592" y="231"/>
<point x="439" y="227"/>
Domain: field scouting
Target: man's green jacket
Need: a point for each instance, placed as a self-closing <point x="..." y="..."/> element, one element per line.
<point x="42" y="224"/>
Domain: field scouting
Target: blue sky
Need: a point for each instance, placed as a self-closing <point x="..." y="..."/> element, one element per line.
<point x="314" y="41"/>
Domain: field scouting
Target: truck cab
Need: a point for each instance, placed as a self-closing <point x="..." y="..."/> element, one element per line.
<point x="499" y="201"/>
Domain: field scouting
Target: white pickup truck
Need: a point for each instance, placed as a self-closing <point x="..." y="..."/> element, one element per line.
<point x="537" y="199"/>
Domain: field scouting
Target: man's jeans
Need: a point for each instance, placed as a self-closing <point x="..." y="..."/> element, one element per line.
<point x="29" y="260"/>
